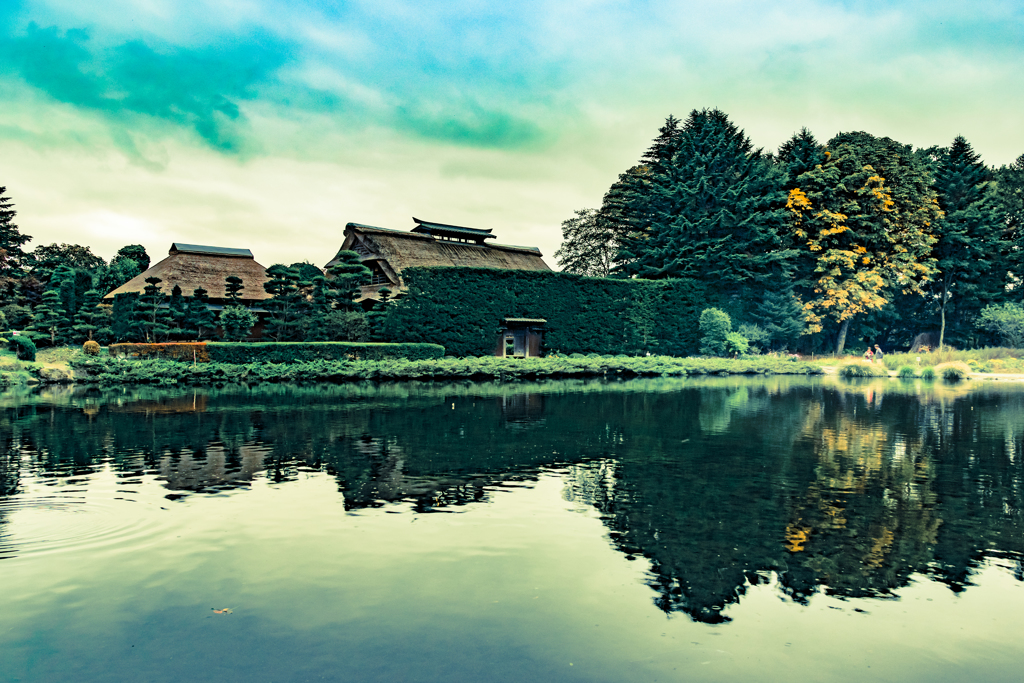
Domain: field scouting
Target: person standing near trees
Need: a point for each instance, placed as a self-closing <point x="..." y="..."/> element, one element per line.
<point x="878" y="354"/>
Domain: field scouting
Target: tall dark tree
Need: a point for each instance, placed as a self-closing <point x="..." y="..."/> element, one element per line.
<point x="345" y="278"/>
<point x="135" y="252"/>
<point x="153" y="316"/>
<point x="233" y="287"/>
<point x="800" y="154"/>
<point x="287" y="304"/>
<point x="712" y="212"/>
<point x="968" y="250"/>
<point x="45" y="259"/>
<point x="200" y="320"/>
<point x="11" y="243"/>
<point x="177" y="307"/>
<point x="1010" y="198"/>
<point x="124" y="324"/>
<point x="89" y="319"/>
<point x="50" y="321"/>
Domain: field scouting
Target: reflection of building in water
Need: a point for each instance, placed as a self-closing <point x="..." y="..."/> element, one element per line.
<point x="522" y="409"/>
<point x="214" y="466"/>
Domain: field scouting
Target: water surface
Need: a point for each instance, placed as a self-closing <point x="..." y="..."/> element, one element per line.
<point x="662" y="529"/>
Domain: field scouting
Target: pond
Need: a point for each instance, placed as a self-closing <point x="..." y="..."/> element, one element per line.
<point x="723" y="529"/>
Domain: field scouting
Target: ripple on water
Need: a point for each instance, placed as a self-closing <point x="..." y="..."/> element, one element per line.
<point x="75" y="520"/>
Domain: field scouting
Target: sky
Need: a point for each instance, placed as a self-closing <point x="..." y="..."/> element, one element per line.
<point x="270" y="124"/>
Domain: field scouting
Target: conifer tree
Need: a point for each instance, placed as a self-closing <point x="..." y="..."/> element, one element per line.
<point x="968" y="250"/>
<point x="87" y="322"/>
<point x="233" y="290"/>
<point x="237" y="322"/>
<point x="200" y="320"/>
<point x="11" y="242"/>
<point x="1010" y="197"/>
<point x="154" y="318"/>
<point x="287" y="305"/>
<point x="710" y="209"/>
<point x="376" y="317"/>
<point x="124" y="324"/>
<point x="345" y="280"/>
<point x="177" y="308"/>
<point x="50" y="320"/>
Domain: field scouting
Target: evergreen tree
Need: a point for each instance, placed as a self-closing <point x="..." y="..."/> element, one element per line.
<point x="233" y="290"/>
<point x="237" y="322"/>
<point x="50" y="320"/>
<point x="864" y="217"/>
<point x="968" y="248"/>
<point x="621" y="216"/>
<point x="177" y="308"/>
<point x="153" y="316"/>
<point x="345" y="280"/>
<point x="1010" y="198"/>
<point x="287" y="305"/>
<point x="376" y="317"/>
<point x="87" y="322"/>
<point x="200" y="320"/>
<point x="800" y="154"/>
<point x="120" y="271"/>
<point x="124" y="326"/>
<point x="11" y="243"/>
<point x="712" y="210"/>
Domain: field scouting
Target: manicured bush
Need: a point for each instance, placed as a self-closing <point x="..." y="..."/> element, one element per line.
<point x="91" y="348"/>
<point x="907" y="372"/>
<point x="863" y="369"/>
<point x="928" y="374"/>
<point x="182" y="351"/>
<point x="954" y="371"/>
<point x="24" y="347"/>
<point x="293" y="352"/>
<point x="462" y="308"/>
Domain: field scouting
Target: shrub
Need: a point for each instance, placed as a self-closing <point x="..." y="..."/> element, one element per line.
<point x="907" y="372"/>
<point x="1007" y="320"/>
<point x="715" y="327"/>
<point x="736" y="344"/>
<point x="91" y="348"/>
<point x="954" y="371"/>
<point x="237" y="322"/>
<point x="862" y="369"/>
<point x="928" y="374"/>
<point x="293" y="352"/>
<point x="24" y="347"/>
<point x="183" y="351"/>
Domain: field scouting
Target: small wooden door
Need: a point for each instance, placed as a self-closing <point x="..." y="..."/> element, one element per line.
<point x="520" y="342"/>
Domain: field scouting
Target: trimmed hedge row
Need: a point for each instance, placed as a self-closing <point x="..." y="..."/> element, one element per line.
<point x="462" y="308"/>
<point x="184" y="351"/>
<point x="294" y="352"/>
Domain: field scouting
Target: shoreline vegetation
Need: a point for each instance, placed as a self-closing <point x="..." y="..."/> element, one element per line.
<point x="67" y="365"/>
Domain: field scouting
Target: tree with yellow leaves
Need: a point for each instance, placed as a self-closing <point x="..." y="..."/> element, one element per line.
<point x="863" y="220"/>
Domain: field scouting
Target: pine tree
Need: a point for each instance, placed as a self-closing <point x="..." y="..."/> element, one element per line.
<point x="864" y="217"/>
<point x="124" y="324"/>
<point x="968" y="248"/>
<point x="11" y="242"/>
<point x="177" y="308"/>
<point x="345" y="280"/>
<point x="50" y="320"/>
<point x="287" y="305"/>
<point x="233" y="290"/>
<point x="153" y="316"/>
<point x="87" y="322"/>
<point x="376" y="317"/>
<point x="711" y="210"/>
<point x="200" y="320"/>
<point x="1010" y="198"/>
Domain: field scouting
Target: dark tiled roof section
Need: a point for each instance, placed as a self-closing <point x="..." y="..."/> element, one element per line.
<point x="203" y="249"/>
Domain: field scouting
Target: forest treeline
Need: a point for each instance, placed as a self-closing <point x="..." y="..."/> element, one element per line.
<point x="817" y="244"/>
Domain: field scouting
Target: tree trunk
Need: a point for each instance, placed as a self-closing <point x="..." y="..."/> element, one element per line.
<point x="942" y="327"/>
<point x="841" y="342"/>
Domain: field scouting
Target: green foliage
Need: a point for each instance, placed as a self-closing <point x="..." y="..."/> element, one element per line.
<point x="345" y="278"/>
<point x="928" y="374"/>
<point x="462" y="309"/>
<point x="89" y="317"/>
<point x="123" y="325"/>
<point x="236" y="322"/>
<point x="863" y="369"/>
<point x="23" y="346"/>
<point x="153" y="318"/>
<point x="589" y="245"/>
<point x="121" y="270"/>
<point x="49" y="322"/>
<point x="715" y="329"/>
<point x="907" y="372"/>
<point x="233" y="289"/>
<point x="1006" y="320"/>
<point x="709" y="208"/>
<point x="288" y="305"/>
<point x="11" y="242"/>
<point x="200" y="320"/>
<point x="954" y="371"/>
<point x="293" y="352"/>
<point x="736" y="344"/>
<point x="18" y="317"/>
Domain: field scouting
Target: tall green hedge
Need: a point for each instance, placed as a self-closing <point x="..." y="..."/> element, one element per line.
<point x="291" y="352"/>
<point x="462" y="309"/>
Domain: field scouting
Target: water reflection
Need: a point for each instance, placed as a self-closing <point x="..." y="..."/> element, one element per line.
<point x="720" y="484"/>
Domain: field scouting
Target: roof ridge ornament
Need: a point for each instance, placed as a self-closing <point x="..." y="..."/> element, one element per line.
<point x="447" y="231"/>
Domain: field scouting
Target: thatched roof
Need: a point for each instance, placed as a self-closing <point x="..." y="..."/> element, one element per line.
<point x="389" y="252"/>
<point x="191" y="266"/>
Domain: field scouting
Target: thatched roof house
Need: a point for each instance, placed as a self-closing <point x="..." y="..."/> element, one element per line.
<point x="388" y="252"/>
<point x="191" y="266"/>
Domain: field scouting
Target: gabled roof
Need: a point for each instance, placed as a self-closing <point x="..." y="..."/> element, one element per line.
<point x="396" y="250"/>
<point x="192" y="266"/>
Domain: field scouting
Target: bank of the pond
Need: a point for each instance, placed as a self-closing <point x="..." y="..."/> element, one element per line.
<point x="113" y="370"/>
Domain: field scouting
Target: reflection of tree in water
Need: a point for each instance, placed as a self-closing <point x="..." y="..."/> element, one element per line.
<point x="716" y="484"/>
